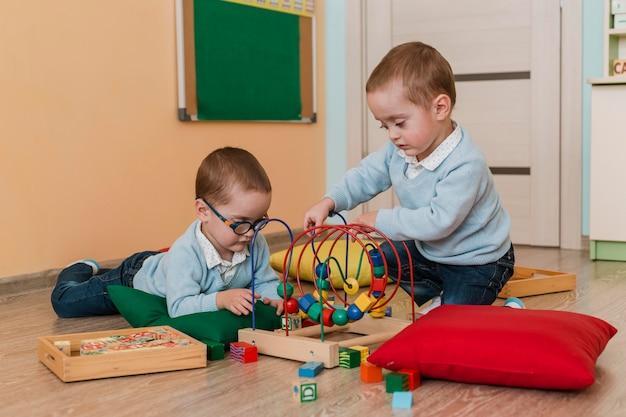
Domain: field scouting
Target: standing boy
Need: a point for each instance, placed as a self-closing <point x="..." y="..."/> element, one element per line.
<point x="450" y="214"/>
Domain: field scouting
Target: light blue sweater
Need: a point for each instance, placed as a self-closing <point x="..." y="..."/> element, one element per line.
<point x="181" y="275"/>
<point x="453" y="213"/>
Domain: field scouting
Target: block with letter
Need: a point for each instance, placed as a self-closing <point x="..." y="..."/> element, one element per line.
<point x="305" y="390"/>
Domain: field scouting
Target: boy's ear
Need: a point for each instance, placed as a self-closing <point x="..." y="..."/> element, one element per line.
<point x="443" y="106"/>
<point x="201" y="209"/>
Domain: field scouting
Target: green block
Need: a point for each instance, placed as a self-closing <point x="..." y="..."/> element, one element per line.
<point x="395" y="382"/>
<point x="305" y="391"/>
<point x="349" y="358"/>
<point x="214" y="351"/>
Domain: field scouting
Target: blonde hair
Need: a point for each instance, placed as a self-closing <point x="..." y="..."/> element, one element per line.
<point x="420" y="68"/>
<point x="227" y="168"/>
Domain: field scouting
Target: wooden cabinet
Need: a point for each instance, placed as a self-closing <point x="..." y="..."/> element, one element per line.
<point x="607" y="206"/>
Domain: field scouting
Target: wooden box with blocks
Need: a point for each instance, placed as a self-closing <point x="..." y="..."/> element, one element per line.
<point x="533" y="281"/>
<point x="111" y="353"/>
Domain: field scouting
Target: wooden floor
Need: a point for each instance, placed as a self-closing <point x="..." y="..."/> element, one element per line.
<point x="229" y="388"/>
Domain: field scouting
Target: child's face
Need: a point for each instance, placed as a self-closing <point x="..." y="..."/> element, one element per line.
<point x="242" y="206"/>
<point x="414" y="129"/>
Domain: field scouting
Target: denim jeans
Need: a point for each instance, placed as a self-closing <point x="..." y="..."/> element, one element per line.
<point x="456" y="284"/>
<point x="79" y="294"/>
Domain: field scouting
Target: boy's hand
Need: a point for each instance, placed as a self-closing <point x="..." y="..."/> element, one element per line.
<point x="278" y="304"/>
<point x="368" y="219"/>
<point x="238" y="301"/>
<point x="316" y="215"/>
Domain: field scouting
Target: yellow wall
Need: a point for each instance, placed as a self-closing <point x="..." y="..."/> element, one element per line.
<point x="93" y="160"/>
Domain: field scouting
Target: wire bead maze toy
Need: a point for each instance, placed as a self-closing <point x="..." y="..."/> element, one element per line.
<point x="346" y="315"/>
<point x="317" y="305"/>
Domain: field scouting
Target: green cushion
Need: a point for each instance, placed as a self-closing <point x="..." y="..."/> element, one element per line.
<point x="215" y="328"/>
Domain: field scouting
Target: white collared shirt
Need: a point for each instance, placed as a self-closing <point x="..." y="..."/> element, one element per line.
<point x="214" y="260"/>
<point x="435" y="159"/>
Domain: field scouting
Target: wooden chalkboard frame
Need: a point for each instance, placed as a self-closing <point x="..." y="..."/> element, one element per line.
<point x="186" y="68"/>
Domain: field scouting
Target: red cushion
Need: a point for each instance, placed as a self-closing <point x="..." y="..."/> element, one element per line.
<point x="500" y="346"/>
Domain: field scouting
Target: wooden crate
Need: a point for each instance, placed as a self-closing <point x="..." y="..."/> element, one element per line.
<point x="533" y="281"/>
<point x="74" y="367"/>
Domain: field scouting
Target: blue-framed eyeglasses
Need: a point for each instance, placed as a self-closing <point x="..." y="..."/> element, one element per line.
<point x="240" y="228"/>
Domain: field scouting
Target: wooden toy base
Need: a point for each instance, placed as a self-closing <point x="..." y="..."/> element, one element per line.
<point x="70" y="366"/>
<point x="304" y="346"/>
<point x="533" y="281"/>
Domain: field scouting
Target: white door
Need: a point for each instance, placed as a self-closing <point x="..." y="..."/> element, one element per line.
<point x="506" y="58"/>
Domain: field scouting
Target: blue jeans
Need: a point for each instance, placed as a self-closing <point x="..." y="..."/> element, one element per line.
<point x="79" y="294"/>
<point x="456" y="284"/>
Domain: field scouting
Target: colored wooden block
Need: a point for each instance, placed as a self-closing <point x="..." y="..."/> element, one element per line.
<point x="316" y="294"/>
<point x="378" y="309"/>
<point x="378" y="285"/>
<point x="215" y="350"/>
<point x="414" y="377"/>
<point x="305" y="302"/>
<point x="310" y="369"/>
<point x="365" y="351"/>
<point x="305" y="390"/>
<point x="349" y="358"/>
<point x="64" y="346"/>
<point x="371" y="372"/>
<point x="402" y="399"/>
<point x="396" y="381"/>
<point x="243" y="352"/>
<point x="364" y="302"/>
<point x="292" y="322"/>
<point x="532" y="281"/>
<point x="144" y="340"/>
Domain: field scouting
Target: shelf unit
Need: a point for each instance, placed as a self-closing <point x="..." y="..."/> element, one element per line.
<point x="614" y="40"/>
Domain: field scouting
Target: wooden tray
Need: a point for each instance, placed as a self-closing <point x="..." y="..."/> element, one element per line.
<point x="533" y="281"/>
<point x="71" y="366"/>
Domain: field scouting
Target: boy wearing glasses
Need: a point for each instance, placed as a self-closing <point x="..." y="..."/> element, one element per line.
<point x="209" y="267"/>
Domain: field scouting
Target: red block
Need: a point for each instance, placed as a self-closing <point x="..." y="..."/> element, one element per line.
<point x="378" y="284"/>
<point x="243" y="352"/>
<point x="414" y="377"/>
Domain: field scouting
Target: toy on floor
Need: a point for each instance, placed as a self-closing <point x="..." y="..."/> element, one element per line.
<point x="317" y="305"/>
<point x="243" y="352"/>
<point x="351" y="310"/>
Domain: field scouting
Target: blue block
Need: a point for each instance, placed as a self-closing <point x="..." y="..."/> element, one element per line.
<point x="402" y="399"/>
<point x="305" y="302"/>
<point x="310" y="369"/>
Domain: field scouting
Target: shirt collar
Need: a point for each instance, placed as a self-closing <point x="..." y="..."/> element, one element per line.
<point x="212" y="257"/>
<point x="445" y="148"/>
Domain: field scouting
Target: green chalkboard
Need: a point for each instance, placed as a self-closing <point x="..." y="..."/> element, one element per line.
<point x="248" y="63"/>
